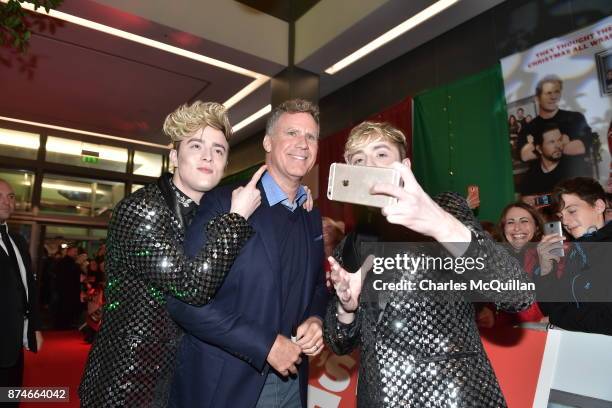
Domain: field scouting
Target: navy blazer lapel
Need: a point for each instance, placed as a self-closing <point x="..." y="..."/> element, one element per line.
<point x="310" y="237"/>
<point x="263" y="223"/>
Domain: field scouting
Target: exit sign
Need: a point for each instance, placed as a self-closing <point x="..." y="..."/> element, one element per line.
<point x="88" y="156"/>
<point x="89" y="159"/>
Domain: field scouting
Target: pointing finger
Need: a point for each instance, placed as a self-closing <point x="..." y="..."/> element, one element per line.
<point x="257" y="176"/>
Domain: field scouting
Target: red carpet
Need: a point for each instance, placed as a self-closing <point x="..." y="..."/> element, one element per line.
<point x="59" y="364"/>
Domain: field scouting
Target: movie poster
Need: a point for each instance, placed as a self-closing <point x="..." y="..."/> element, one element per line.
<point x="559" y="99"/>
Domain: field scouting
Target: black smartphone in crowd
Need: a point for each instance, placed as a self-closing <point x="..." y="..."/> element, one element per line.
<point x="542" y="200"/>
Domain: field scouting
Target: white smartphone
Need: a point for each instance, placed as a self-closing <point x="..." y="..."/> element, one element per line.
<point x="554" y="227"/>
<point x="351" y="184"/>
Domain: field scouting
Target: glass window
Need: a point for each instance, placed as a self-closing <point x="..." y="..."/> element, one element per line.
<point x="22" y="182"/>
<point x="79" y="196"/>
<point x="77" y="153"/>
<point x="148" y="164"/>
<point x="89" y="239"/>
<point x="170" y="168"/>
<point x="98" y="233"/>
<point x="25" y="230"/>
<point x="66" y="232"/>
<point x="75" y="233"/>
<point x="23" y="145"/>
<point x="136" y="187"/>
<point x="57" y="234"/>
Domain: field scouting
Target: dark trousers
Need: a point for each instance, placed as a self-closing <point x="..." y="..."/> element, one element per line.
<point x="12" y="377"/>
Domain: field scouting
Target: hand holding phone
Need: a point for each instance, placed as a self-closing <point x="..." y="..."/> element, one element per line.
<point x="416" y="211"/>
<point x="550" y="248"/>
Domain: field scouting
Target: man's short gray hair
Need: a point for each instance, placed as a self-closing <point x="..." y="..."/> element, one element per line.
<point x="292" y="106"/>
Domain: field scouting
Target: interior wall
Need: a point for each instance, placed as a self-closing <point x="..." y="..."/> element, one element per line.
<point x="246" y="154"/>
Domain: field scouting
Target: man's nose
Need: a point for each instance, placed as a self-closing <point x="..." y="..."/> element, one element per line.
<point x="302" y="141"/>
<point x="206" y="155"/>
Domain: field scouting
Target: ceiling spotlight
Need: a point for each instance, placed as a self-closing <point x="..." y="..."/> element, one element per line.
<point x="392" y="34"/>
<point x="262" y="112"/>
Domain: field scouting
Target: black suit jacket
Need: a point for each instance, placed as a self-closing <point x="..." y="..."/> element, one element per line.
<point x="11" y="315"/>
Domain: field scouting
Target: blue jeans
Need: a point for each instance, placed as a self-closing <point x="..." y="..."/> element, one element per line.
<point x="280" y="392"/>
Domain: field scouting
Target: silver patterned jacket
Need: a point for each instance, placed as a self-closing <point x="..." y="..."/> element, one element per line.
<point x="419" y="350"/>
<point x="132" y="359"/>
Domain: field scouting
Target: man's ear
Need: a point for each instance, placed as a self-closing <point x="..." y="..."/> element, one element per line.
<point x="267" y="144"/>
<point x="174" y="158"/>
<point x="406" y="162"/>
<point x="600" y="206"/>
<point x="539" y="149"/>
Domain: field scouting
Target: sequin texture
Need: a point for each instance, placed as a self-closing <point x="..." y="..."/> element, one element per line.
<point x="419" y="350"/>
<point x="131" y="362"/>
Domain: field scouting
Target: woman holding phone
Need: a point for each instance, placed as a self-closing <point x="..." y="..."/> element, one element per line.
<point x="582" y="299"/>
<point x="521" y="228"/>
<point x="418" y="349"/>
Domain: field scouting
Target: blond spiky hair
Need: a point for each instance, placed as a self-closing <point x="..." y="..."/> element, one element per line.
<point x="186" y="119"/>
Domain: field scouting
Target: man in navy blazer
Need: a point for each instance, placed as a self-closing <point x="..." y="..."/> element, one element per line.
<point x="249" y="347"/>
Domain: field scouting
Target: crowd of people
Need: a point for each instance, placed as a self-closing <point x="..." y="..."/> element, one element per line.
<point x="569" y="269"/>
<point x="72" y="288"/>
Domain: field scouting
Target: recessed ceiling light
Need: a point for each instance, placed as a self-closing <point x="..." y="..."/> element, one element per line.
<point x="263" y="111"/>
<point x="84" y="132"/>
<point x="259" y="79"/>
<point x="392" y="34"/>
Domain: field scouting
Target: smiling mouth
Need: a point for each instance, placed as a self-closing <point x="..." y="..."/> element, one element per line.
<point x="519" y="236"/>
<point x="298" y="157"/>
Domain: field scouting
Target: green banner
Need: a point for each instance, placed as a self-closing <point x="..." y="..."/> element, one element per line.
<point x="461" y="138"/>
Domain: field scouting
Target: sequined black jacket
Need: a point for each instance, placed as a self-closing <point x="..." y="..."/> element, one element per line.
<point x="421" y="350"/>
<point x="132" y="359"/>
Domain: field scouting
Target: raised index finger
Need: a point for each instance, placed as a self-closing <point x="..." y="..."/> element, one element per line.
<point x="257" y="176"/>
